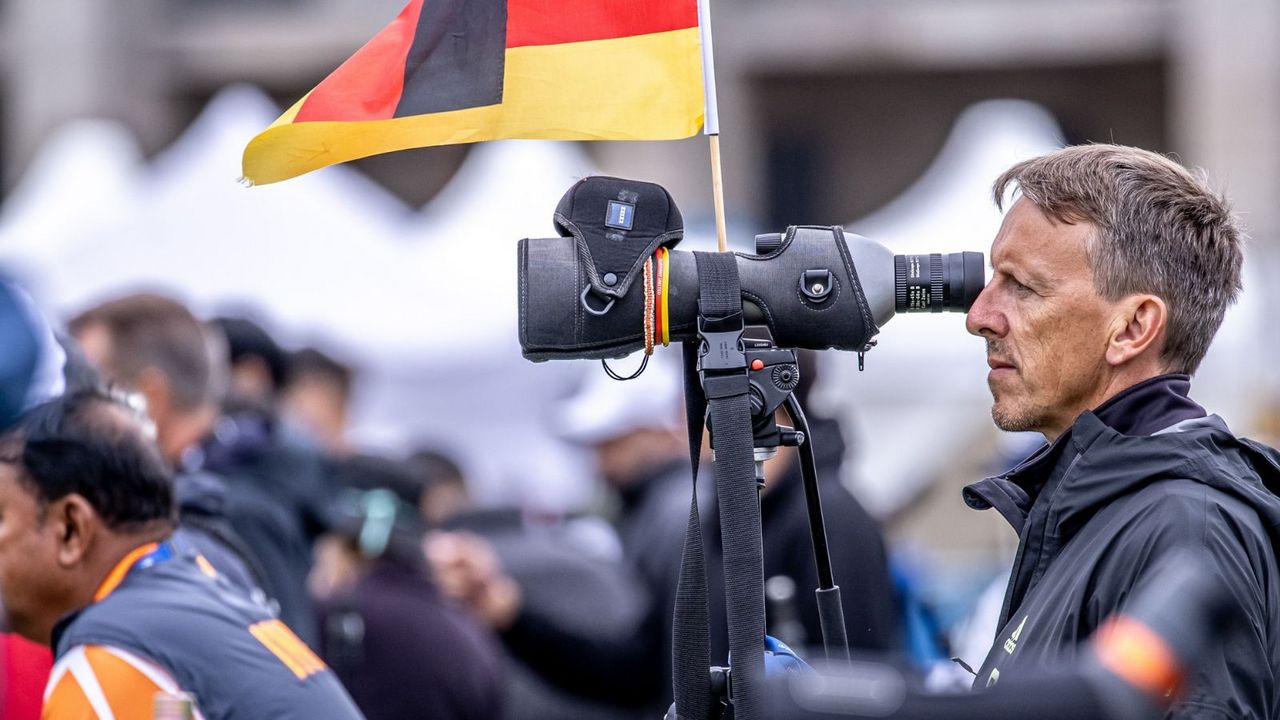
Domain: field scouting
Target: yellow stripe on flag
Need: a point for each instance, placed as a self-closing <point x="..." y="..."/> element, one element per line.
<point x="644" y="87"/>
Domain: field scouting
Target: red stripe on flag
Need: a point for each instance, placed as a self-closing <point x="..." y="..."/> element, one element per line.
<point x="368" y="85"/>
<point x="551" y="22"/>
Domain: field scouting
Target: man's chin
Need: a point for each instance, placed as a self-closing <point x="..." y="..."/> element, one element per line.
<point x="1010" y="420"/>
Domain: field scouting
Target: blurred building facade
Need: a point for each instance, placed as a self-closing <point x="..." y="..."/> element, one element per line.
<point x="829" y="107"/>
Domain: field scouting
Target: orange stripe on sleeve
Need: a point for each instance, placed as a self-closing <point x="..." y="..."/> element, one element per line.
<point x="128" y="690"/>
<point x="280" y="640"/>
<point x="67" y="701"/>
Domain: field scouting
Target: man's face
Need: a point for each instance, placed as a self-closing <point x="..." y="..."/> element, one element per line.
<point x="1045" y="324"/>
<point x="30" y="578"/>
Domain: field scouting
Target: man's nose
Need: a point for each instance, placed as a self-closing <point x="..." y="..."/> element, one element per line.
<point x="983" y="318"/>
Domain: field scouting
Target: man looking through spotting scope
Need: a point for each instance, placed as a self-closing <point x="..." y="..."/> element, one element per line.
<point x="1111" y="274"/>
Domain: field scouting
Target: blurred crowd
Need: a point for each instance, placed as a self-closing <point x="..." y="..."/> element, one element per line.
<point x="423" y="603"/>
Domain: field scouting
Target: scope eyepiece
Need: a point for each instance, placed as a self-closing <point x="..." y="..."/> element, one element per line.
<point x="937" y="282"/>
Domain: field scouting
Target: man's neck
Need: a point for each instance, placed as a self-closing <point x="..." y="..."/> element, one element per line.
<point x="1117" y="382"/>
<point x="115" y="550"/>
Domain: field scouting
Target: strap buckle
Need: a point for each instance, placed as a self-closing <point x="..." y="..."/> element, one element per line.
<point x="721" y="347"/>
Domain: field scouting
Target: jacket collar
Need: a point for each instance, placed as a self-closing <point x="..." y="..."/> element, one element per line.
<point x="1150" y="406"/>
<point x="1147" y="408"/>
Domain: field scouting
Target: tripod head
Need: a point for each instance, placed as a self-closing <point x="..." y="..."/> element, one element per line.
<point x="772" y="374"/>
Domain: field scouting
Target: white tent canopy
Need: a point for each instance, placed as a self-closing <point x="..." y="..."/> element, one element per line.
<point x="423" y="303"/>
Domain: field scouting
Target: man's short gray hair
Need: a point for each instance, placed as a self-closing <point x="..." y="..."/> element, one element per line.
<point x="1160" y="230"/>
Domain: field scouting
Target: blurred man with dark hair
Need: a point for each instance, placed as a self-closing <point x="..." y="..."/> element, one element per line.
<point x="155" y="347"/>
<point x="444" y="487"/>
<point x="400" y="647"/>
<point x="316" y="395"/>
<point x="276" y="486"/>
<point x="259" y="366"/>
<point x="86" y="510"/>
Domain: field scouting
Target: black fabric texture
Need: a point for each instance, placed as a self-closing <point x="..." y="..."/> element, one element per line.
<point x="843" y="321"/>
<point x="584" y="644"/>
<point x="583" y="214"/>
<point x="418" y="655"/>
<point x="1151" y="406"/>
<point x="277" y="503"/>
<point x="457" y="58"/>
<point x="203" y="527"/>
<point x="690" y="641"/>
<point x="553" y="273"/>
<point x="1099" y="509"/>
<point x="719" y="295"/>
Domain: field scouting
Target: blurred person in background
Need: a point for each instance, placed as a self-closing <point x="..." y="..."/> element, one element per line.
<point x="574" y="587"/>
<point x="26" y="344"/>
<point x="1112" y="272"/>
<point x="400" y="647"/>
<point x="153" y="346"/>
<point x="859" y="562"/>
<point x="315" y="399"/>
<point x="87" y="565"/>
<point x="444" y="487"/>
<point x="634" y="429"/>
<point x="276" y="485"/>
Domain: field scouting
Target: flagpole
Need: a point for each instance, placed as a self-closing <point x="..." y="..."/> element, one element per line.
<point x="711" y="121"/>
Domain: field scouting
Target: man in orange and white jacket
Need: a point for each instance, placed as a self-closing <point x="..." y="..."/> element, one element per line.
<point x="86" y="509"/>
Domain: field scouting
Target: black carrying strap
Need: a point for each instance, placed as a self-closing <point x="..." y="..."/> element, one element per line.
<point x="691" y="643"/>
<point x="725" y="389"/>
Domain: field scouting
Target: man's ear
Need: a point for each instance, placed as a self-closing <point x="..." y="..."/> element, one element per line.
<point x="1138" y="329"/>
<point x="75" y="526"/>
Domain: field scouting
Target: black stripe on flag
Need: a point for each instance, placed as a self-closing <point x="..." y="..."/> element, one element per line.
<point x="457" y="57"/>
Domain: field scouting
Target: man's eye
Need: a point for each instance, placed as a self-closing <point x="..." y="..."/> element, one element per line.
<point x="1019" y="287"/>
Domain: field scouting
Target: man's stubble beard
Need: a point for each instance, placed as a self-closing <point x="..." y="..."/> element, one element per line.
<point x="1014" y="419"/>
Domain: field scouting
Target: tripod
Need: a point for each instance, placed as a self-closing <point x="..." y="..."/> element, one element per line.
<point x="773" y="375"/>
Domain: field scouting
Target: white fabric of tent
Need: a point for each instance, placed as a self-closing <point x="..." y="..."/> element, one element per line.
<point x="424" y="303"/>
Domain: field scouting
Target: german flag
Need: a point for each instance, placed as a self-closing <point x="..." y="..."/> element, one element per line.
<point x="462" y="71"/>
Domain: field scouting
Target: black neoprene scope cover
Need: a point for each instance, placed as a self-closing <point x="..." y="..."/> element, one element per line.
<point x="617" y="224"/>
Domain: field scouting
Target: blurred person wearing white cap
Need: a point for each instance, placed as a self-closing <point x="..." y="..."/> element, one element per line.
<point x="634" y="429"/>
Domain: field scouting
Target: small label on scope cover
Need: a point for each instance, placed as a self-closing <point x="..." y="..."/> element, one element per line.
<point x="621" y="215"/>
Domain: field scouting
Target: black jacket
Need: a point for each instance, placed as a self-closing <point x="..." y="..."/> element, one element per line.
<point x="403" y="651"/>
<point x="203" y="527"/>
<point x="1099" y="508"/>
<point x="276" y="504"/>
